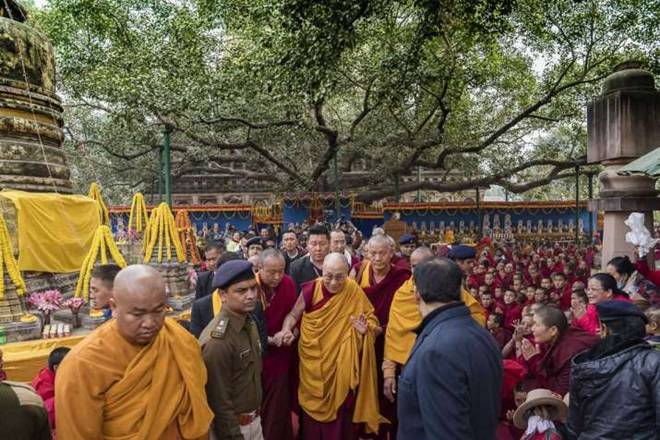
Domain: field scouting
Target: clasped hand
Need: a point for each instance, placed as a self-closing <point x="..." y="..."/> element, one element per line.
<point x="283" y="337"/>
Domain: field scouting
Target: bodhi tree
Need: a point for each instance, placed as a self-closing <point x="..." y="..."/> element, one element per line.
<point x="493" y="91"/>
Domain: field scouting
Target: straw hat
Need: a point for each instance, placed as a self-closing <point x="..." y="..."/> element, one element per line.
<point x="538" y="397"/>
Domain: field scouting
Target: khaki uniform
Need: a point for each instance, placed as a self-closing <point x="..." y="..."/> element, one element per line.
<point x="22" y="413"/>
<point x="232" y="353"/>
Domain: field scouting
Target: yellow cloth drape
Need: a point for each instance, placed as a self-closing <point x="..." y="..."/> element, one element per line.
<point x="364" y="278"/>
<point x="476" y="311"/>
<point x="23" y="360"/>
<point x="217" y="302"/>
<point x="54" y="231"/>
<point x="107" y="388"/>
<point x="335" y="358"/>
<point x="405" y="317"/>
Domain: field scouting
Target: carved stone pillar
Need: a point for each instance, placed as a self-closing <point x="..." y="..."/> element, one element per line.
<point x="623" y="124"/>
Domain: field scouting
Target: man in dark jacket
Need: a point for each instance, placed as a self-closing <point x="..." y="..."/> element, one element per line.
<point x="310" y="267"/>
<point x="450" y="388"/>
<point x="212" y="253"/>
<point x="615" y="386"/>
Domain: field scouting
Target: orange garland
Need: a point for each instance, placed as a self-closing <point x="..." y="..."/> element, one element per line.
<point x="187" y="236"/>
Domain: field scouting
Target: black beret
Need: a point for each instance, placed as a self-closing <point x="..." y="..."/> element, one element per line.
<point x="615" y="309"/>
<point x="255" y="240"/>
<point x="407" y="239"/>
<point x="462" y="252"/>
<point x="232" y="272"/>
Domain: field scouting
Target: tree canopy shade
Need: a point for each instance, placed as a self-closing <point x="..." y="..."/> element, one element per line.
<point x="495" y="90"/>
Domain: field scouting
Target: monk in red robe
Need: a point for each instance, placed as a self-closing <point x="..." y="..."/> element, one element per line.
<point x="337" y="357"/>
<point x="278" y="298"/>
<point x="380" y="279"/>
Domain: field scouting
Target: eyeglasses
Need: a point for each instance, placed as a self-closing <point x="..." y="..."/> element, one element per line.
<point x="330" y="277"/>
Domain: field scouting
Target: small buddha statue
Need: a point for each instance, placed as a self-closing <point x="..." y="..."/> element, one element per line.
<point x="449" y="236"/>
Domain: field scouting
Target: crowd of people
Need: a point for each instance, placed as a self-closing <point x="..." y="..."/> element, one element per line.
<point x="318" y="334"/>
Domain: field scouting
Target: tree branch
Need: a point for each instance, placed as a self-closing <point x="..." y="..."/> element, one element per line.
<point x="331" y="138"/>
<point x="253" y="125"/>
<point x="500" y="178"/>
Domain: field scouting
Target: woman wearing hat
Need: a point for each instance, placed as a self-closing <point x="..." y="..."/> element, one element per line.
<point x="537" y="416"/>
<point x="615" y="386"/>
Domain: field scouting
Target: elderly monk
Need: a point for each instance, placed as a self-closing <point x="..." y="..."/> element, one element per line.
<point x="404" y="319"/>
<point x="380" y="279"/>
<point x="337" y="358"/>
<point x="139" y="376"/>
<point x="278" y="296"/>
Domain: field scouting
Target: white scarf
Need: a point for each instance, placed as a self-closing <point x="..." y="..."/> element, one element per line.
<point x="537" y="424"/>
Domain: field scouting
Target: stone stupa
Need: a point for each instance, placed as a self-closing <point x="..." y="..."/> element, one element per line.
<point x="31" y="135"/>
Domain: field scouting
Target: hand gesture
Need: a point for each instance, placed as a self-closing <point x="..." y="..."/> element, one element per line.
<point x="283" y="337"/>
<point x="389" y="388"/>
<point x="288" y="338"/>
<point x="518" y="330"/>
<point x="579" y="311"/>
<point x="360" y="323"/>
<point x="529" y="350"/>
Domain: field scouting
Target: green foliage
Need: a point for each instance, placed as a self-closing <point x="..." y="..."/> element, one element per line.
<point x="476" y="87"/>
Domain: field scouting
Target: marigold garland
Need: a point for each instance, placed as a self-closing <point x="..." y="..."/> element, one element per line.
<point x="147" y="231"/>
<point x="138" y="219"/>
<point x="187" y="236"/>
<point x="102" y="243"/>
<point x="7" y="260"/>
<point x="95" y="194"/>
<point x="162" y="228"/>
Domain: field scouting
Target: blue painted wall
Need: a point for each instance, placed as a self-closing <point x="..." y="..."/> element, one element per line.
<point x="534" y="214"/>
<point x="240" y="220"/>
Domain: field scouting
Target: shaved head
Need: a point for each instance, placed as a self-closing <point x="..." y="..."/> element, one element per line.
<point x="422" y="252"/>
<point x="139" y="303"/>
<point x="271" y="253"/>
<point x="137" y="279"/>
<point x="272" y="268"/>
<point x="381" y="251"/>
<point x="335" y="272"/>
<point x="384" y="240"/>
<point x="419" y="255"/>
<point x="335" y="260"/>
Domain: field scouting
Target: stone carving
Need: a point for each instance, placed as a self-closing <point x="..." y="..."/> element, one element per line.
<point x="31" y="123"/>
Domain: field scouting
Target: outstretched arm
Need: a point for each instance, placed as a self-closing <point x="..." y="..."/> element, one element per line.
<point x="286" y="336"/>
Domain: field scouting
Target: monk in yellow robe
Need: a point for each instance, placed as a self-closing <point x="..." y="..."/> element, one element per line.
<point x="140" y="376"/>
<point x="337" y="358"/>
<point x="405" y="318"/>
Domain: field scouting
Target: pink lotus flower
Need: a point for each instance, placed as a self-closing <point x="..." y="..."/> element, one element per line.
<point x="47" y="301"/>
<point x="74" y="304"/>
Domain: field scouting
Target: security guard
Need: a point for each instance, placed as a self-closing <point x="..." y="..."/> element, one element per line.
<point x="232" y="353"/>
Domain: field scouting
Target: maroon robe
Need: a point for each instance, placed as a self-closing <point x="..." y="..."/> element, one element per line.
<point x="552" y="369"/>
<point x="381" y="295"/>
<point x="512" y="312"/>
<point x="278" y="364"/>
<point x="342" y="428"/>
<point x="504" y="280"/>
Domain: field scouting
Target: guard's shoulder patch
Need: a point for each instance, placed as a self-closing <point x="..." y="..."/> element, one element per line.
<point x="220" y="329"/>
